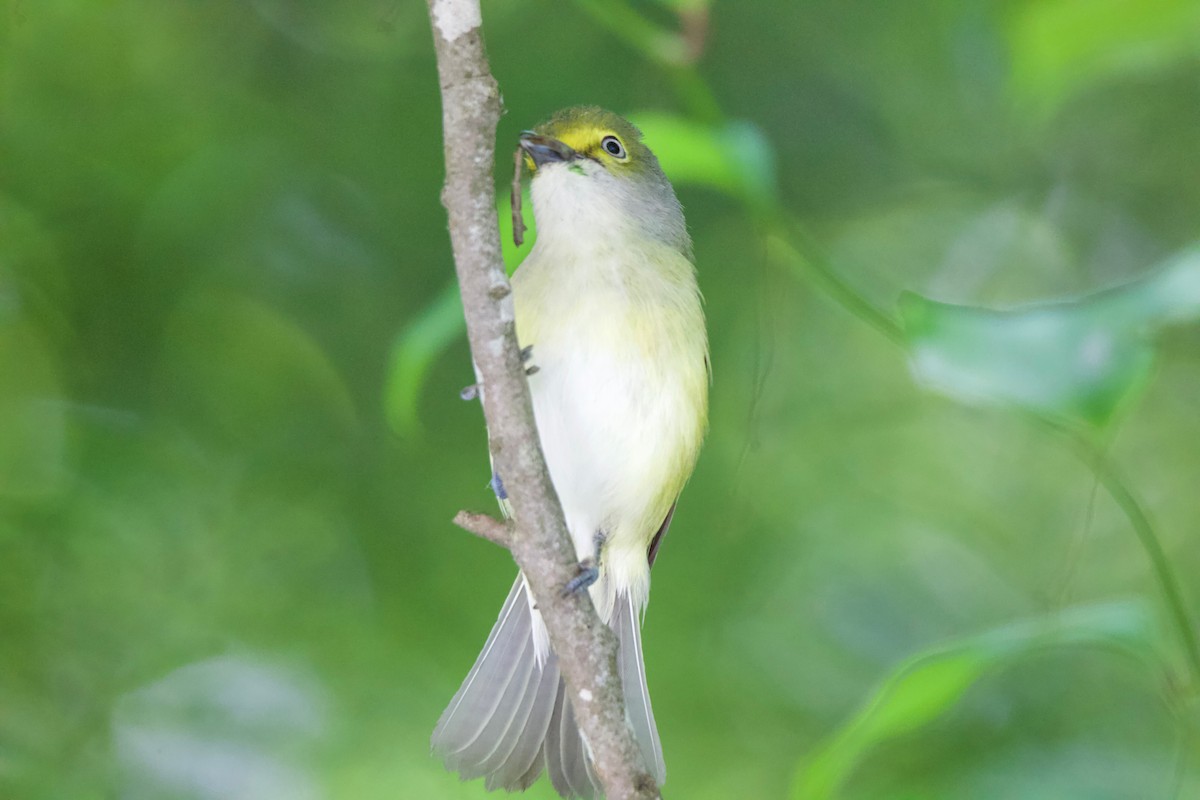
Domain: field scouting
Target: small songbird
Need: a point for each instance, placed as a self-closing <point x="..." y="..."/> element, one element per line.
<point x="607" y="300"/>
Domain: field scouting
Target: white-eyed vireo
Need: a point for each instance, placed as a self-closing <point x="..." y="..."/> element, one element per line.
<point x="607" y="298"/>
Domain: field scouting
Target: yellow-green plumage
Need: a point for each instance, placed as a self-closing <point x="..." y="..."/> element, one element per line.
<point x="608" y="301"/>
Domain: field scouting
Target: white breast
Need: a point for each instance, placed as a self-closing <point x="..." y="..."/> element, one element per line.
<point x="619" y="397"/>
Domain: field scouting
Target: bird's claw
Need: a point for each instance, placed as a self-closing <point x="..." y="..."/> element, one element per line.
<point x="589" y="573"/>
<point x="498" y="487"/>
<point x="526" y="354"/>
<point x="589" y="569"/>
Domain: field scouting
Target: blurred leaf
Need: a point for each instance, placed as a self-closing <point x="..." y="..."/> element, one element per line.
<point x="734" y="158"/>
<point x="1170" y="295"/>
<point x="928" y="685"/>
<point x="1066" y="361"/>
<point x="1059" y="45"/>
<point x="1075" y="361"/>
<point x="421" y="341"/>
<point x="438" y="325"/>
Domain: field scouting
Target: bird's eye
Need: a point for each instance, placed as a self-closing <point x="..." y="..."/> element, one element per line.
<point x="612" y="145"/>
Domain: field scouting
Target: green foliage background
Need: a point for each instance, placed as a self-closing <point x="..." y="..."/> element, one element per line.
<point x="913" y="561"/>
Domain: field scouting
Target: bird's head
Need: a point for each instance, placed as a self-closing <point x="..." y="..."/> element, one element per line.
<point x="593" y="176"/>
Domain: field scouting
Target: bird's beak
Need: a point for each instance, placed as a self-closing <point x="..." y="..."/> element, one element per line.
<point x="544" y="149"/>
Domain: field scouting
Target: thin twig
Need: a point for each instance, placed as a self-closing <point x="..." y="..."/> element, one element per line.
<point x="788" y="244"/>
<point x="518" y="220"/>
<point x="494" y="530"/>
<point x="694" y="24"/>
<point x="1164" y="573"/>
<point x="1075" y="547"/>
<point x="540" y="544"/>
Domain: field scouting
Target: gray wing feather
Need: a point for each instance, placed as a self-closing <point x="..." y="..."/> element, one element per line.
<point x="552" y="747"/>
<point x="481" y="692"/>
<point x="633" y="681"/>
<point x="591" y="774"/>
<point x="518" y="764"/>
<point x="565" y="752"/>
<point x="535" y="768"/>
<point x="498" y="737"/>
<point x="491" y="727"/>
<point x="575" y="755"/>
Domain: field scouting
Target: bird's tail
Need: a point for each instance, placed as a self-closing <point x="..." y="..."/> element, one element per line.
<point x="511" y="717"/>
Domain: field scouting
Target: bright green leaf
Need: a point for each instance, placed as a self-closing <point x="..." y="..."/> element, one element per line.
<point x="412" y="353"/>
<point x="735" y="158"/>
<point x="928" y="685"/>
<point x="441" y="322"/>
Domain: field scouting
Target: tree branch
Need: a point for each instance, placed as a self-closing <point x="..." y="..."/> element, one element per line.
<point x="540" y="544"/>
<point x="485" y="527"/>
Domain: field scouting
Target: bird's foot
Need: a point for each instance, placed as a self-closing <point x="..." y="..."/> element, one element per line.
<point x="498" y="487"/>
<point x="589" y="569"/>
<point x="589" y="573"/>
<point x="526" y="354"/>
<point x="473" y="391"/>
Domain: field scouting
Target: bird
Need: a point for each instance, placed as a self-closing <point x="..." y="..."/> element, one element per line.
<point x="607" y="303"/>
